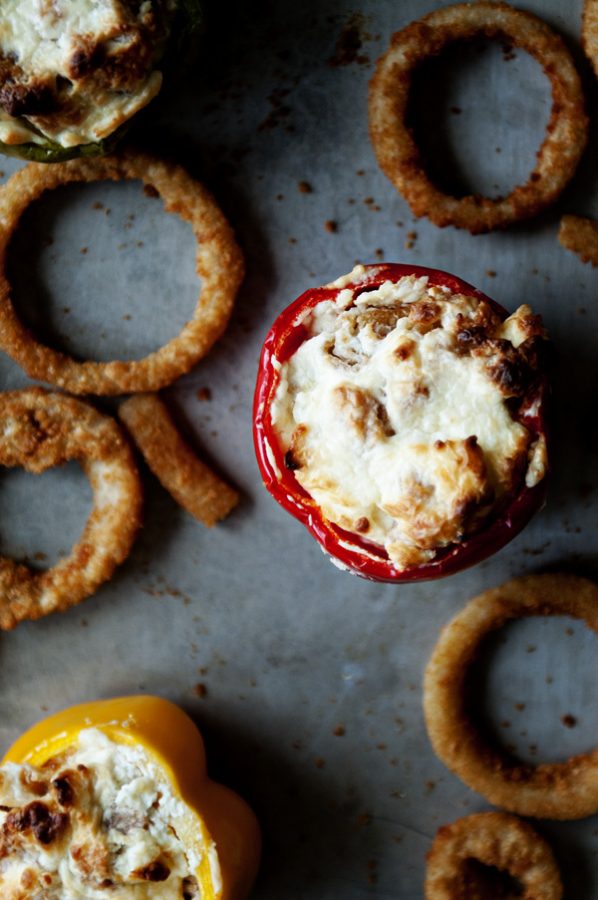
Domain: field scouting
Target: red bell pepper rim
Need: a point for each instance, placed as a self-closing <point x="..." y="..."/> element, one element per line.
<point x="350" y="551"/>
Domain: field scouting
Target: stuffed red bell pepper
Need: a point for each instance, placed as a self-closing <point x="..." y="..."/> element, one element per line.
<point x="400" y="414"/>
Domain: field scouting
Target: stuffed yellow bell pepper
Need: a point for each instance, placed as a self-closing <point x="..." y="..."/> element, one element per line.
<point x="111" y="800"/>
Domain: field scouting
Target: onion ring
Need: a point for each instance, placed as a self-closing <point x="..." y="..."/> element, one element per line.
<point x="394" y="144"/>
<point x="589" y="32"/>
<point x="40" y="430"/>
<point x="567" y="790"/>
<point x="580" y="235"/>
<point x="192" y="484"/>
<point x="219" y="264"/>
<point x="494" y="839"/>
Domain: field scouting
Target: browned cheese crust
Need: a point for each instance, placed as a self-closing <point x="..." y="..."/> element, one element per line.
<point x="192" y="484"/>
<point x="494" y="839"/>
<point x="59" y="814"/>
<point x="394" y="144"/>
<point x="567" y="790"/>
<point x="40" y="430"/>
<point x="589" y="31"/>
<point x="219" y="265"/>
<point x="580" y="235"/>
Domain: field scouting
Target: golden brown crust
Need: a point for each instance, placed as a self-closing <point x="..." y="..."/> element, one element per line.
<point x="493" y="839"/>
<point x="192" y="484"/>
<point x="567" y="790"/>
<point x="394" y="144"/>
<point x="580" y="235"/>
<point x="219" y="265"/>
<point x="40" y="430"/>
<point x="589" y="31"/>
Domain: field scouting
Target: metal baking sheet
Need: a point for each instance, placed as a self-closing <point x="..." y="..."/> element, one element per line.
<point x="306" y="681"/>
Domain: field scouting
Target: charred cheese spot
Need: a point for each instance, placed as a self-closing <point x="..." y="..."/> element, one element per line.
<point x="36" y="818"/>
<point x="290" y="461"/>
<point x="405" y="349"/>
<point x="64" y="790"/>
<point x="473" y="336"/>
<point x="155" y="871"/>
<point x="190" y="889"/>
<point x="27" y="99"/>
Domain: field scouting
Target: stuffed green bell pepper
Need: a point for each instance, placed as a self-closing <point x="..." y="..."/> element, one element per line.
<point x="74" y="72"/>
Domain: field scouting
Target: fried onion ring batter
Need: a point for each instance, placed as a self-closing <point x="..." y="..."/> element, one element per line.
<point x="394" y="143"/>
<point x="566" y="790"/>
<point x="589" y="32"/>
<point x="219" y="265"/>
<point x="494" y="839"/>
<point x="192" y="484"/>
<point x="580" y="235"/>
<point x="39" y="430"/>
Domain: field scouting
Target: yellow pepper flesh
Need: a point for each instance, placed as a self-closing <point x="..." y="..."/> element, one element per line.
<point x="172" y="741"/>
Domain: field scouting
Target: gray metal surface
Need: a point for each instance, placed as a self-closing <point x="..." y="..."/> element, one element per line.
<point x="311" y="702"/>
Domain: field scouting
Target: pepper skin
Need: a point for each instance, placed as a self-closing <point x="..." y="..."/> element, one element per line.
<point x="174" y="744"/>
<point x="347" y="549"/>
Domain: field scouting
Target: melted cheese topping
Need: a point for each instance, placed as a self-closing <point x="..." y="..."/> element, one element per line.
<point x="114" y="830"/>
<point x="60" y="46"/>
<point x="394" y="419"/>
